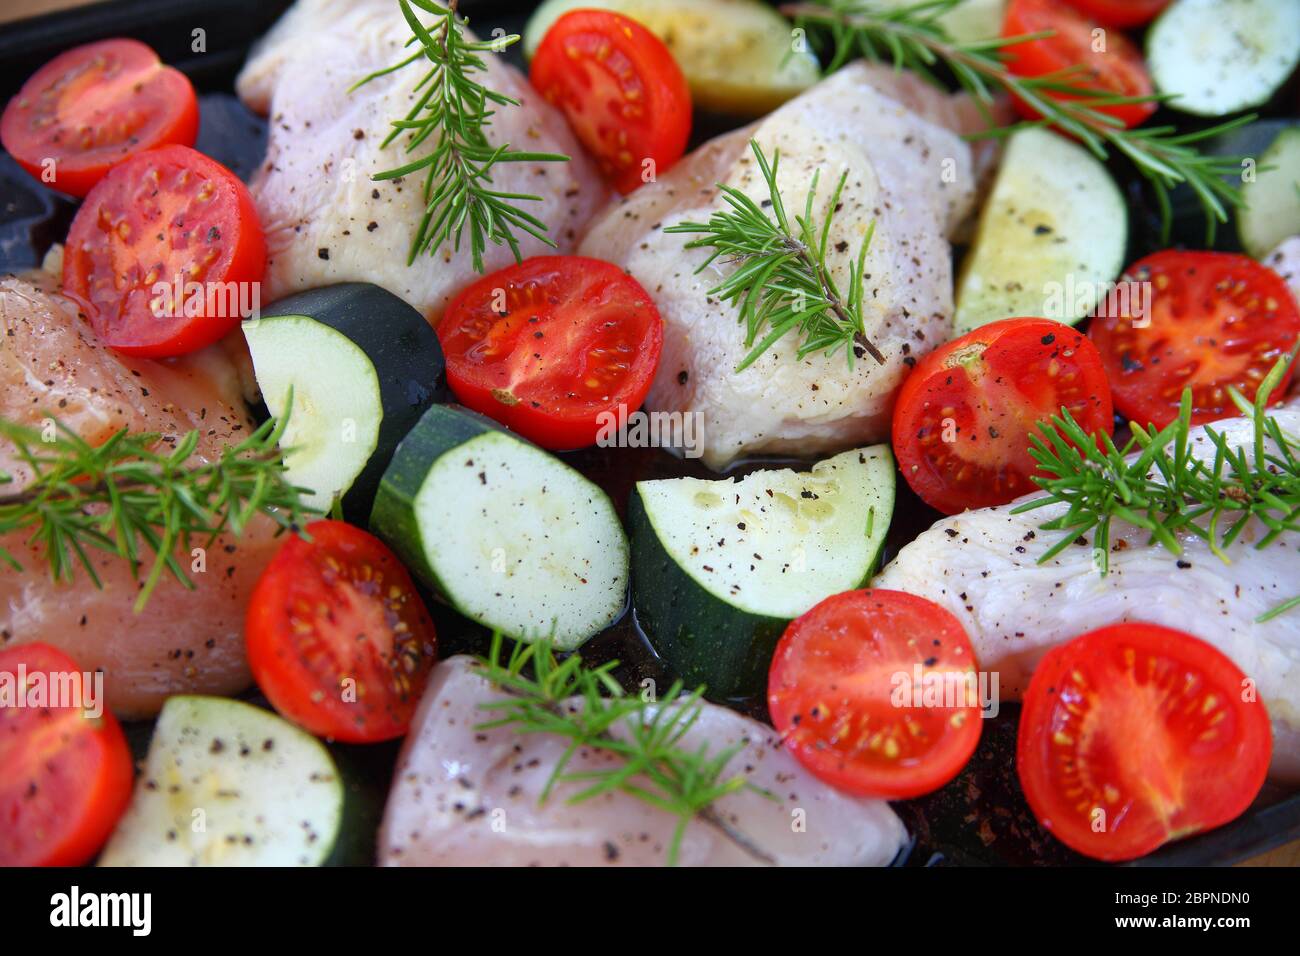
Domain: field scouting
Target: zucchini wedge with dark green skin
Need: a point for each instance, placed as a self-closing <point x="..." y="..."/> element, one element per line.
<point x="719" y="568"/>
<point x="363" y="366"/>
<point x="504" y="532"/>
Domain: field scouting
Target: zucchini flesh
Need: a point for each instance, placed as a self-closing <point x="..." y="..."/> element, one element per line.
<point x="334" y="423"/>
<point x="736" y="54"/>
<point x="229" y="784"/>
<point x="507" y="534"/>
<point x="720" y="567"/>
<point x="1051" y="237"/>
<point x="1223" y="56"/>
<point x="1272" y="210"/>
<point x="364" y="365"/>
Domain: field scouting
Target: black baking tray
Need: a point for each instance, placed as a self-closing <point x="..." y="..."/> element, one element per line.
<point x="980" y="818"/>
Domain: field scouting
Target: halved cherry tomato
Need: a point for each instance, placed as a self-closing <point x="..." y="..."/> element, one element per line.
<point x="574" y="338"/>
<point x="1117" y="69"/>
<point x="1120" y="13"/>
<point x="1135" y="735"/>
<point x="875" y="692"/>
<point x="1214" y="319"/>
<point x="965" y="415"/>
<point x="165" y="253"/>
<point x="623" y="93"/>
<point x="65" y="775"/>
<point x="338" y="639"/>
<point x="93" y="106"/>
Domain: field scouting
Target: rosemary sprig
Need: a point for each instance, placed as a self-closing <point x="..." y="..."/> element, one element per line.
<point x="646" y="736"/>
<point x="128" y="495"/>
<point x="911" y="37"/>
<point x="1164" y="489"/>
<point x="783" y="282"/>
<point x="453" y="110"/>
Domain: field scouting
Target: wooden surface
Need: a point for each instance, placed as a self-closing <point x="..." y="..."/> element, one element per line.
<point x="21" y="9"/>
<point x="1288" y="855"/>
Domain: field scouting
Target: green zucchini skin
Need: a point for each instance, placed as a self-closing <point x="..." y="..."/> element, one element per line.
<point x="439" y="430"/>
<point x="701" y="639"/>
<point x="406" y="355"/>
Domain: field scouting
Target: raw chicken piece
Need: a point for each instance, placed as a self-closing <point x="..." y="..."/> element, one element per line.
<point x="981" y="565"/>
<point x="462" y="796"/>
<point x="913" y="176"/>
<point x="325" y="220"/>
<point x="184" y="641"/>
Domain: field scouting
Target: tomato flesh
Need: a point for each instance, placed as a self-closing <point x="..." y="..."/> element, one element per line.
<point x="1118" y="70"/>
<point x="1120" y="13"/>
<point x="964" y="417"/>
<point x="1135" y="735"/>
<point x="547" y="346"/>
<point x="338" y="638"/>
<point x="166" y="253"/>
<point x="843" y="692"/>
<point x="93" y="106"/>
<point x="1213" y="320"/>
<point x="624" y="95"/>
<point x="65" y="776"/>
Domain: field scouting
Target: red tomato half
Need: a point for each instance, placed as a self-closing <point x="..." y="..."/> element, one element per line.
<point x="1120" y="13"/>
<point x="575" y="338"/>
<point x="843" y="690"/>
<point x="93" y="106"/>
<point x="964" y="417"/>
<point x="164" y="253"/>
<point x="1215" y="319"/>
<point x="622" y="91"/>
<point x="1134" y="735"/>
<point x="338" y="639"/>
<point x="1117" y="70"/>
<point x="65" y="777"/>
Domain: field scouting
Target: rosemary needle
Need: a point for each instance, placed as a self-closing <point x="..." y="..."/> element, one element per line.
<point x="783" y="282"/>
<point x="646" y="736"/>
<point x="452" y="112"/>
<point x="127" y="496"/>
<point x="911" y="37"/>
<point x="1156" y="484"/>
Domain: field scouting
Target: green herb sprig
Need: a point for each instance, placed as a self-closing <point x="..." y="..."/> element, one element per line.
<point x="782" y="282"/>
<point x="133" y="495"/>
<point x="452" y="113"/>
<point x="646" y="736"/>
<point x="1165" y="489"/>
<point x="912" y="37"/>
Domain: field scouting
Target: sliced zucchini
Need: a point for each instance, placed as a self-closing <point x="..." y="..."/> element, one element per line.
<point x="229" y="784"/>
<point x="967" y="22"/>
<point x="738" y="55"/>
<point x="1272" y="210"/>
<point x="1051" y="235"/>
<point x="508" y="535"/>
<point x="363" y="366"/>
<point x="720" y="567"/>
<point x="1223" y="56"/>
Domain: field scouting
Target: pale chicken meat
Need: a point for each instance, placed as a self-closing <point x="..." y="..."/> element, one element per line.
<point x="184" y="641"/>
<point x="983" y="566"/>
<point x="908" y="171"/>
<point x="467" y="796"/>
<point x="326" y="221"/>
